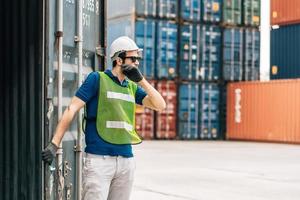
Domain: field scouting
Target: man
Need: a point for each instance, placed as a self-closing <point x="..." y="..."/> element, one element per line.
<point x="110" y="100"/>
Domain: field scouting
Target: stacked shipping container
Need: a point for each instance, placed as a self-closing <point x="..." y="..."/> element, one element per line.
<point x="264" y="111"/>
<point x="269" y="111"/>
<point x="285" y="20"/>
<point x="190" y="50"/>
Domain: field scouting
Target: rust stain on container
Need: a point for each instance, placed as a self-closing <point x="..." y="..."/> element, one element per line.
<point x="264" y="111"/>
<point x="166" y="120"/>
<point x="284" y="12"/>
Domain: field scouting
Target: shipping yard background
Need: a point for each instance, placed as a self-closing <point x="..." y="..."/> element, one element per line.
<point x="227" y="69"/>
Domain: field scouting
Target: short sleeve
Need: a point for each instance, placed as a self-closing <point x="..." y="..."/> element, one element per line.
<point x="140" y="95"/>
<point x="89" y="88"/>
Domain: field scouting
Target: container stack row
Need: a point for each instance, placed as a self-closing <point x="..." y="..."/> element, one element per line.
<point x="269" y="111"/>
<point x="191" y="50"/>
<point x="285" y="39"/>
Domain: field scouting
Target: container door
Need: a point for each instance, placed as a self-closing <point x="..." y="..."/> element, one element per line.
<point x="145" y="39"/>
<point x="210" y="65"/>
<point x="189" y="52"/>
<point x="252" y="52"/>
<point x="93" y="42"/>
<point x="233" y="54"/>
<point x="166" y="119"/>
<point x="166" y="49"/>
<point x="191" y="10"/>
<point x="188" y="111"/>
<point x="212" y="10"/>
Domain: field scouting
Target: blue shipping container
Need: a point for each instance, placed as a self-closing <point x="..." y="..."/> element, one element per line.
<point x="233" y="54"/>
<point x="210" y="55"/>
<point x="212" y="10"/>
<point x="166" y="49"/>
<point x="209" y="109"/>
<point x="190" y="51"/>
<point x="200" y="52"/>
<point x="285" y="59"/>
<point x="167" y="8"/>
<point x="143" y="32"/>
<point x="198" y="112"/>
<point x="252" y="51"/>
<point x="191" y="10"/>
<point x="119" y="9"/>
<point x="145" y="39"/>
<point x="188" y="112"/>
<point x="145" y="7"/>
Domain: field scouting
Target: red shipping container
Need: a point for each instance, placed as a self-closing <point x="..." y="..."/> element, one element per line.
<point x="166" y="120"/>
<point x="145" y="123"/>
<point x="144" y="120"/>
<point x="264" y="111"/>
<point x="285" y="12"/>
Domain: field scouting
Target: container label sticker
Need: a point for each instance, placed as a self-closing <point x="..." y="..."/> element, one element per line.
<point x="215" y="6"/>
<point x="237" y="107"/>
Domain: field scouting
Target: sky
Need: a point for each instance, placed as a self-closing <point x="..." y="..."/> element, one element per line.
<point x="265" y="41"/>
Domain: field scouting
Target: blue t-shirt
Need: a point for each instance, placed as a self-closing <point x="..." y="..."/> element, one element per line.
<point x="88" y="92"/>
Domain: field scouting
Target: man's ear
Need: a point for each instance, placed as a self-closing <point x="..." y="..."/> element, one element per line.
<point x="119" y="61"/>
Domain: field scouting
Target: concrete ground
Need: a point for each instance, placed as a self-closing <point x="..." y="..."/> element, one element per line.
<point x="216" y="170"/>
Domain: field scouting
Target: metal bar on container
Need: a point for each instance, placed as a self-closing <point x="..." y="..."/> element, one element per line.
<point x="59" y="35"/>
<point x="78" y="147"/>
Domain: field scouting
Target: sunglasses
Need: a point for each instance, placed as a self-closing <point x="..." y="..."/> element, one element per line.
<point x="134" y="58"/>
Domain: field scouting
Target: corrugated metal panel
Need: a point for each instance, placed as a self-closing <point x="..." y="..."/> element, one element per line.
<point x="232" y="12"/>
<point x="144" y="120"/>
<point x="188" y="111"/>
<point x="198" y="111"/>
<point x="285" y="12"/>
<point x="145" y="7"/>
<point x="117" y="9"/>
<point x="252" y="52"/>
<point x="200" y="52"/>
<point x="166" y="49"/>
<point x="21" y="102"/>
<point x="191" y="10"/>
<point x="124" y="25"/>
<point x="210" y="66"/>
<point x="143" y="31"/>
<point x="265" y="111"/>
<point x="190" y="51"/>
<point x="166" y="120"/>
<point x="145" y="39"/>
<point x="233" y="54"/>
<point x="212" y="10"/>
<point x="285" y="59"/>
<point x="209" y="109"/>
<point x="167" y="8"/>
<point x="251" y="12"/>
<point x="92" y="34"/>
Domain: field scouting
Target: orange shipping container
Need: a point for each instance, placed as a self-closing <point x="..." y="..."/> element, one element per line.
<point x="264" y="111"/>
<point x="284" y="12"/>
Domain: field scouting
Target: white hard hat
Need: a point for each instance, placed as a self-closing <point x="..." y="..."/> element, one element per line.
<point x="122" y="44"/>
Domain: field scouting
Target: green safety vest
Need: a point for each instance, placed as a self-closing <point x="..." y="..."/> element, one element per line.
<point x="116" y="112"/>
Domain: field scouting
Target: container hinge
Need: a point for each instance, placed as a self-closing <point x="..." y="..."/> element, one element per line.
<point x="100" y="51"/>
<point x="67" y="169"/>
<point x="69" y="191"/>
<point x="77" y="39"/>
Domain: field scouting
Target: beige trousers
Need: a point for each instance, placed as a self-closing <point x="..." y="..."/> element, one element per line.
<point x="107" y="177"/>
